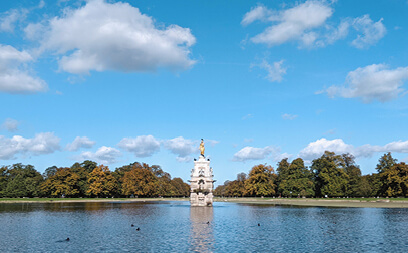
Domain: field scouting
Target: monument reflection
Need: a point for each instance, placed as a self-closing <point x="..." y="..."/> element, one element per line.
<point x="201" y="235"/>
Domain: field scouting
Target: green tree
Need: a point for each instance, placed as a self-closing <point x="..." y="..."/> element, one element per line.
<point x="260" y="181"/>
<point x="49" y="172"/>
<point x="354" y="176"/>
<point x="120" y="172"/>
<point x="388" y="175"/>
<point x="296" y="179"/>
<point x="22" y="181"/>
<point x="163" y="186"/>
<point x="236" y="188"/>
<point x="395" y="180"/>
<point x="330" y="176"/>
<point x="3" y="181"/>
<point x="181" y="188"/>
<point x="283" y="173"/>
<point x="220" y="190"/>
<point x="385" y="162"/>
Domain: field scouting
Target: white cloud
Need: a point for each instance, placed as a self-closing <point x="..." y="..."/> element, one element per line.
<point x="103" y="36"/>
<point x="80" y="142"/>
<point x="317" y="148"/>
<point x="373" y="82"/>
<point x="104" y="155"/>
<point x="141" y="146"/>
<point x="292" y="24"/>
<point x="182" y="147"/>
<point x="288" y="116"/>
<point x="42" y="143"/>
<point x="10" y="124"/>
<point x="275" y="70"/>
<point x="251" y="153"/>
<point x="34" y="31"/>
<point x="184" y="159"/>
<point x="257" y="13"/>
<point x="371" y="32"/>
<point x="278" y="157"/>
<point x="335" y="34"/>
<point x="307" y="24"/>
<point x="9" y="18"/>
<point x="13" y="77"/>
<point x="41" y="4"/>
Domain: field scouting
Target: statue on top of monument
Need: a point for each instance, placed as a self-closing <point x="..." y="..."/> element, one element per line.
<point x="202" y="148"/>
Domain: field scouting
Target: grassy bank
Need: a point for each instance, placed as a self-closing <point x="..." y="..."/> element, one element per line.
<point x="351" y="202"/>
<point x="49" y="200"/>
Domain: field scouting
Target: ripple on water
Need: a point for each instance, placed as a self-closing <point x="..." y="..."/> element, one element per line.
<point x="177" y="227"/>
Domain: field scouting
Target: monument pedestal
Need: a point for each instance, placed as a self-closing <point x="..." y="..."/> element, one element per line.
<point x="202" y="183"/>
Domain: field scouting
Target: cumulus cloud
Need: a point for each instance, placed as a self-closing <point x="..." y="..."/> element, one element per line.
<point x="10" y="124"/>
<point x="371" y="32"/>
<point x="288" y="116"/>
<point x="80" y="142"/>
<point x="115" y="36"/>
<point x="141" y="146"/>
<point x="182" y="147"/>
<point x="291" y="24"/>
<point x="104" y="155"/>
<point x="251" y="153"/>
<point x="317" y="148"/>
<point x="14" y="77"/>
<point x="275" y="70"/>
<point x="42" y="143"/>
<point x="373" y="82"/>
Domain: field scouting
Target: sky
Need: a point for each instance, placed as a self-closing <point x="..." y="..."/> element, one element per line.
<point x="119" y="82"/>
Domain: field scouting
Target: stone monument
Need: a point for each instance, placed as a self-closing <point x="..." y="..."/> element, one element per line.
<point x="202" y="182"/>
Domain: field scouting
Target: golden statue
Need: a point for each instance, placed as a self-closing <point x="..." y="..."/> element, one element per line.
<point x="202" y="148"/>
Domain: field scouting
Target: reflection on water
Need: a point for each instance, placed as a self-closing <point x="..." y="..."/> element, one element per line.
<point x="202" y="239"/>
<point x="177" y="227"/>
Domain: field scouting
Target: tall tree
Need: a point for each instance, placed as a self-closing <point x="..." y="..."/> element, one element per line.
<point x="236" y="188"/>
<point x="395" y="180"/>
<point x="139" y="182"/>
<point x="385" y="162"/>
<point x="64" y="182"/>
<point x="181" y="189"/>
<point x="296" y="179"/>
<point x="260" y="181"/>
<point x="101" y="182"/>
<point x="3" y="181"/>
<point x="330" y="176"/>
<point x="22" y="181"/>
<point x="354" y="176"/>
<point x="388" y="176"/>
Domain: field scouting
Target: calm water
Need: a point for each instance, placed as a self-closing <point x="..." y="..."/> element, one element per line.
<point x="176" y="227"/>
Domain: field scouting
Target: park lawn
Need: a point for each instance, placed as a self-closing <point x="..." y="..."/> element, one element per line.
<point x="30" y="200"/>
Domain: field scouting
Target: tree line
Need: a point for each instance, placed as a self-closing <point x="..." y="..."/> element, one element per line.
<point x="88" y="179"/>
<point x="330" y="175"/>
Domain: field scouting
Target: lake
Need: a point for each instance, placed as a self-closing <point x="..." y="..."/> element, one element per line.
<point x="174" y="226"/>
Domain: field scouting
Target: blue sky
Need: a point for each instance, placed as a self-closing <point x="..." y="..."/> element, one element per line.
<point x="124" y="81"/>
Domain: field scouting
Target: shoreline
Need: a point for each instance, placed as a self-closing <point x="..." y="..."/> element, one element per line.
<point x="353" y="203"/>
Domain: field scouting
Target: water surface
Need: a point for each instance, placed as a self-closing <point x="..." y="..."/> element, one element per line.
<point x="177" y="227"/>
